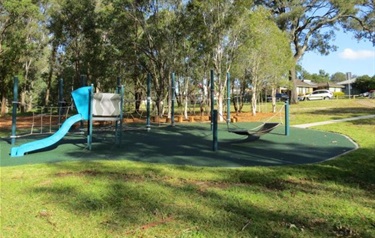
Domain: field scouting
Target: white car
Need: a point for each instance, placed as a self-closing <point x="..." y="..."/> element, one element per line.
<point x="321" y="94"/>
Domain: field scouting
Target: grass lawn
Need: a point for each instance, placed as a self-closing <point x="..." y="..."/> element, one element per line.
<point x="133" y="199"/>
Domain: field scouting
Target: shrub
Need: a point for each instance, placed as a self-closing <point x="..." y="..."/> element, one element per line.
<point x="338" y="94"/>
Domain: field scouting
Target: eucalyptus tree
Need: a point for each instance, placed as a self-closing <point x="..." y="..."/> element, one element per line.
<point x="122" y="25"/>
<point x="162" y="44"/>
<point x="79" y="42"/>
<point x="218" y="26"/>
<point x="151" y="43"/>
<point x="14" y="39"/>
<point x="311" y="24"/>
<point x="33" y="59"/>
<point x="265" y="56"/>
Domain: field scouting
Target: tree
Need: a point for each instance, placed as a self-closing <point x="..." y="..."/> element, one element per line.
<point x="338" y="77"/>
<point x="265" y="56"/>
<point x="14" y="42"/>
<point x="80" y="38"/>
<point x="363" y="23"/>
<point x="322" y="77"/>
<point x="364" y="83"/>
<point x="219" y="25"/>
<point x="310" y="24"/>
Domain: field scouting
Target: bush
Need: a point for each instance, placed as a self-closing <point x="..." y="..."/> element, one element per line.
<point x="338" y="94"/>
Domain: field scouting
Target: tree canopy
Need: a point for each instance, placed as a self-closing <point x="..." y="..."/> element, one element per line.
<point x="96" y="41"/>
<point x="311" y="24"/>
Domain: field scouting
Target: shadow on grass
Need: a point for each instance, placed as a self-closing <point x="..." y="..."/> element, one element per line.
<point x="133" y="197"/>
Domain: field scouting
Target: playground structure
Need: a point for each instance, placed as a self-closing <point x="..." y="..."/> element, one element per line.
<point x="109" y="107"/>
<point x="90" y="107"/>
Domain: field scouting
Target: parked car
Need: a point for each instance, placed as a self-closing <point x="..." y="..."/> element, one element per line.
<point x="321" y="94"/>
<point x="279" y="97"/>
<point x="365" y="94"/>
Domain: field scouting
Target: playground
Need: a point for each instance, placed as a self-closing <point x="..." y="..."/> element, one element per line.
<point x="168" y="180"/>
<point x="212" y="144"/>
<point x="191" y="144"/>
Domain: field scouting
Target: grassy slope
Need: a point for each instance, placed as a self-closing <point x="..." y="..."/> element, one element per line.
<point x="128" y="199"/>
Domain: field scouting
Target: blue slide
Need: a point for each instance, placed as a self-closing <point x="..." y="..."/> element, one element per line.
<point x="43" y="143"/>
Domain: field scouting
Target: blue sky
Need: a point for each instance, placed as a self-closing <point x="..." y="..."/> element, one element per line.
<point x="351" y="56"/>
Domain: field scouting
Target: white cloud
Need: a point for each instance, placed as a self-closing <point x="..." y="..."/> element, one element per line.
<point x="357" y="54"/>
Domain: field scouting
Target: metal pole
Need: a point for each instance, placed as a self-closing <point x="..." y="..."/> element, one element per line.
<point x="61" y="98"/>
<point x="228" y="97"/>
<point x="287" y="126"/>
<point x="83" y="83"/>
<point x="118" y="123"/>
<point x="83" y="80"/>
<point x="212" y="98"/>
<point x="148" y="126"/>
<point x="214" y="141"/>
<point x="90" y="122"/>
<point x="119" y="130"/>
<point x="173" y="99"/>
<point x="119" y="86"/>
<point x="348" y="77"/>
<point x="14" y="111"/>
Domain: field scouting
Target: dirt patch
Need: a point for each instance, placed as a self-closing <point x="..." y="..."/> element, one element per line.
<point x="46" y="120"/>
<point x="28" y="121"/>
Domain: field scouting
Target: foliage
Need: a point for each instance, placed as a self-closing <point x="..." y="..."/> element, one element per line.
<point x="363" y="23"/>
<point x="97" y="41"/>
<point x="18" y="43"/>
<point x="265" y="47"/>
<point x="338" y="94"/>
<point x="310" y="24"/>
<point x="364" y="83"/>
<point x="338" y="77"/>
<point x="322" y="77"/>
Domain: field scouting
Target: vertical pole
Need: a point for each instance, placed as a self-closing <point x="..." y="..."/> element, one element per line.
<point x="83" y="80"/>
<point x="148" y="127"/>
<point x="121" y="115"/>
<point x="214" y="141"/>
<point x="349" y="77"/>
<point x="83" y="83"/>
<point x="118" y="85"/>
<point x="228" y="97"/>
<point x="118" y="123"/>
<point x="90" y="122"/>
<point x="173" y="99"/>
<point x="61" y="98"/>
<point x="287" y="126"/>
<point x="14" y="111"/>
<point x="212" y="98"/>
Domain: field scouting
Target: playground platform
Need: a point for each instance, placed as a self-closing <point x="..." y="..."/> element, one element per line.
<point x="191" y="144"/>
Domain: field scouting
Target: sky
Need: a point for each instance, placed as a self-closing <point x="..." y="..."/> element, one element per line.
<point x="352" y="56"/>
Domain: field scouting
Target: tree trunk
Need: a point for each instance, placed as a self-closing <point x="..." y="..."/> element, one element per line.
<point x="138" y="98"/>
<point x="273" y="95"/>
<point x="50" y="75"/>
<point x="293" y="94"/>
<point x="186" y="98"/>
<point x="29" y="106"/>
<point x="23" y="101"/>
<point x="254" y="101"/>
<point x="3" y="103"/>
